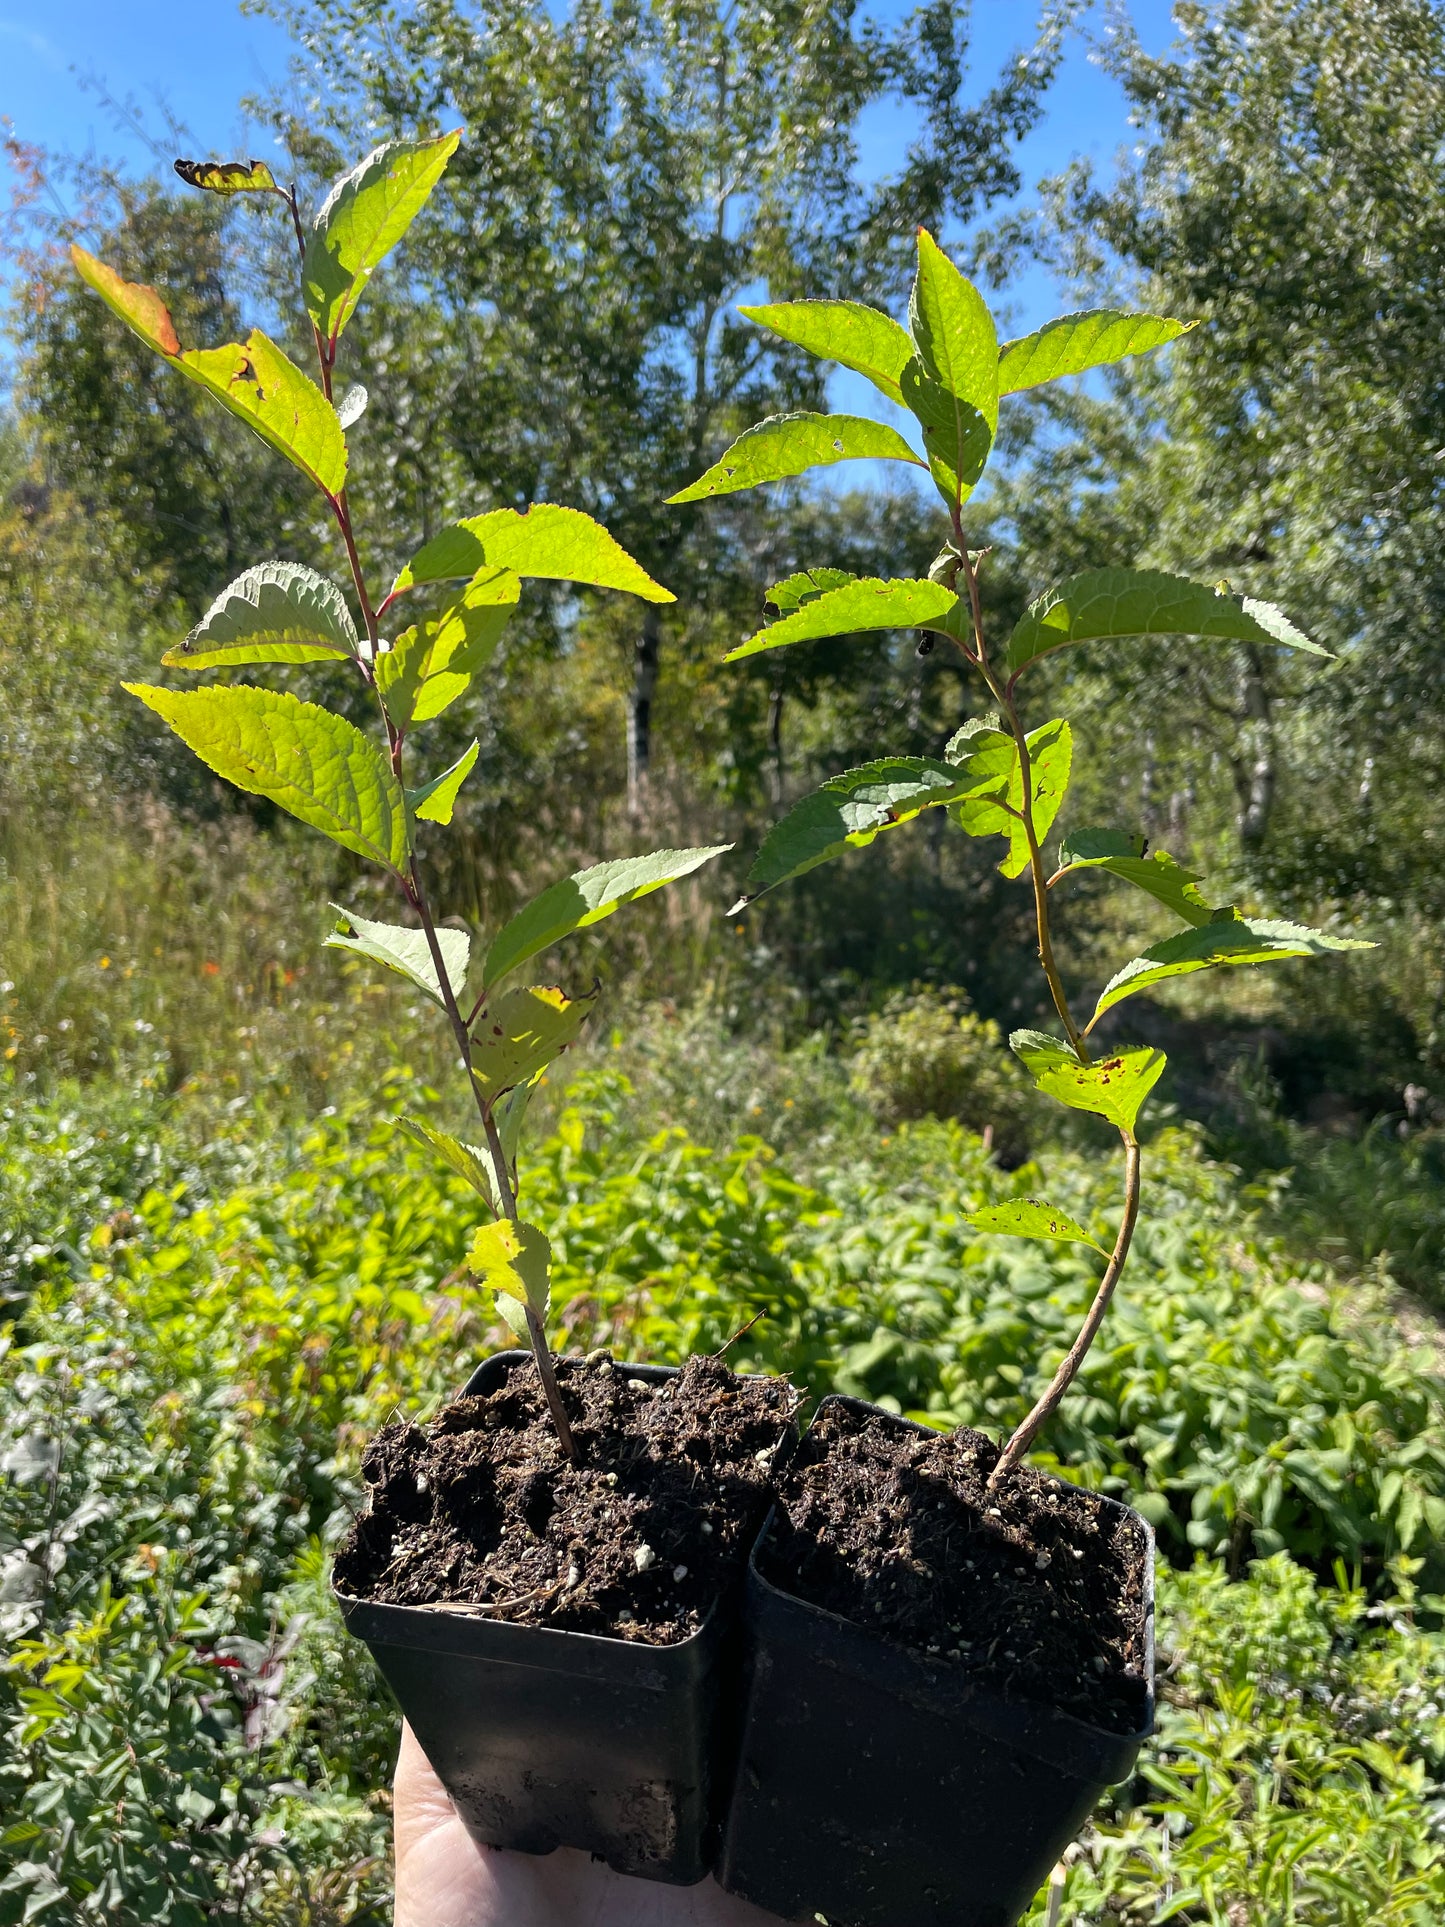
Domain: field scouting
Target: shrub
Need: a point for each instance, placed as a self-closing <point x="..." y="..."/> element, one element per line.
<point x="926" y="1054"/>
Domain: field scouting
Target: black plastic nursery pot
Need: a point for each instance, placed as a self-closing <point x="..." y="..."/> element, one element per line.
<point x="546" y="1738"/>
<point x="877" y="1787"/>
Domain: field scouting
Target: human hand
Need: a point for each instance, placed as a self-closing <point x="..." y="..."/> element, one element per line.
<point x="444" y="1879"/>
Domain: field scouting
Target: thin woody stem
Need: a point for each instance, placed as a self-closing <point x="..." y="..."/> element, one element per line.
<point x="1044" y="1410"/>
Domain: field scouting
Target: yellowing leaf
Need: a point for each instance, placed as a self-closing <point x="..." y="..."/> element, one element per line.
<point x="520" y="1032"/>
<point x="362" y="219"/>
<point x="228" y="177"/>
<point x="140" y="307"/>
<point x="544" y="541"/>
<point x="267" y="391"/>
<point x="469" y="1161"/>
<point x="514" y="1259"/>
<point x="1113" y="1087"/>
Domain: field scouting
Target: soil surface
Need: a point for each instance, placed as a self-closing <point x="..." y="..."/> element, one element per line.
<point x="1037" y="1588"/>
<point x="480" y="1510"/>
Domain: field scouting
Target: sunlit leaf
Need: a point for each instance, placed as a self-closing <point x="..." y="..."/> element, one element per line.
<point x="1223" y="942"/>
<point x="315" y="765"/>
<point x="1032" y="1218"/>
<point x="1051" y="754"/>
<point x="1113" y="1087"/>
<point x="805" y="587"/>
<point x="956" y="436"/>
<point x="545" y="541"/>
<point x="1122" y="856"/>
<point x="514" y="1260"/>
<point x="140" y="307"/>
<point x="432" y="663"/>
<point x="954" y="332"/>
<point x="1076" y="342"/>
<point x="434" y="802"/>
<point x="362" y="219"/>
<point x="519" y="1032"/>
<point x="855" y="608"/>
<point x="1107" y="604"/>
<point x="267" y="391"/>
<point x="586" y="898"/>
<point x="786" y="445"/>
<point x="276" y="612"/>
<point x="870" y="343"/>
<point x="404" y="949"/>
<point x="467" y="1160"/>
<point x="228" y="177"/>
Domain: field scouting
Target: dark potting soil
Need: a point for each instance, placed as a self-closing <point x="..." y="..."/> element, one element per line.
<point x="1037" y="1588"/>
<point x="480" y="1509"/>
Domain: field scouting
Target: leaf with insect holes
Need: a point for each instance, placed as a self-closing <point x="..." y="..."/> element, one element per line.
<point x="432" y="663"/>
<point x="848" y="812"/>
<point x="956" y="436"/>
<point x="1225" y="941"/>
<point x="228" y="177"/>
<point x="434" y="802"/>
<point x="520" y="1032"/>
<point x="788" y="445"/>
<point x="1074" y="343"/>
<point x="467" y="1160"/>
<point x="545" y="541"/>
<point x="309" y="762"/>
<point x="855" y="608"/>
<point x="275" y="612"/>
<point x="805" y="587"/>
<point x="514" y="1260"/>
<point x="1113" y="1087"/>
<point x="954" y="332"/>
<point x="586" y="898"/>
<point x="1051" y="755"/>
<point x="870" y="343"/>
<point x="1107" y="604"/>
<point x="405" y="950"/>
<point x="1032" y="1218"/>
<point x="1122" y="856"/>
<point x="361" y="220"/>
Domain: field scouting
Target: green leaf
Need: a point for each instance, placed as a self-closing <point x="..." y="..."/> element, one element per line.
<point x="956" y="436"/>
<point x="855" y="608"/>
<point x="1113" y="1087"/>
<point x="276" y="612"/>
<point x="138" y="306"/>
<point x="267" y="391"/>
<point x="805" y="587"/>
<point x="786" y="445"/>
<point x="544" y="541"/>
<point x="1109" y="603"/>
<point x="848" y="812"/>
<point x="1032" y="1218"/>
<point x="514" y="1259"/>
<point x="586" y="898"/>
<point x="360" y="222"/>
<point x="954" y="331"/>
<point x="1122" y="856"/>
<point x="315" y="765"/>
<point x="519" y="1033"/>
<point x="1076" y="342"/>
<point x="1225" y="941"/>
<point x="432" y="663"/>
<point x="1051" y="755"/>
<point x="870" y="343"/>
<point x="405" y="950"/>
<point x="228" y="177"/>
<point x="434" y="802"/>
<point x="467" y="1160"/>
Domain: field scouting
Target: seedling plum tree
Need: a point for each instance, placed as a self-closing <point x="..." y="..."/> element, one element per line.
<point x="357" y="789"/>
<point x="997" y="777"/>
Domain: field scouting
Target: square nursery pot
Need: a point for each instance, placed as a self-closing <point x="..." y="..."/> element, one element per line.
<point x="547" y="1738"/>
<point x="879" y="1788"/>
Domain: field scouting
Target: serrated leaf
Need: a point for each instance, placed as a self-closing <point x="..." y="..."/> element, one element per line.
<point x="1073" y="343"/>
<point x="1223" y="942"/>
<point x="954" y="332"/>
<point x="1107" y="604"/>
<point x="956" y="436"/>
<point x="848" y="812"/>
<point x="962" y="744"/>
<point x="870" y="343"/>
<point x="434" y="802"/>
<point x="1113" y="1087"/>
<point x="309" y="762"/>
<point x="405" y="950"/>
<point x="520" y="1032"/>
<point x="805" y="587"/>
<point x="586" y="898"/>
<point x="276" y="612"/>
<point x="1051" y="755"/>
<point x="787" y="445"/>
<point x="228" y="177"/>
<point x="514" y="1259"/>
<point x="265" y="389"/>
<point x="432" y="663"/>
<point x="1122" y="856"/>
<point x="469" y="1161"/>
<point x="861" y="605"/>
<point x="360" y="222"/>
<point x="140" y="307"/>
<point x="545" y="541"/>
<point x="1032" y="1218"/>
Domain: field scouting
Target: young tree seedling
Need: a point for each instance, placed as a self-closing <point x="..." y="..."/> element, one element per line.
<point x="355" y="788"/>
<point x="996" y="777"/>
